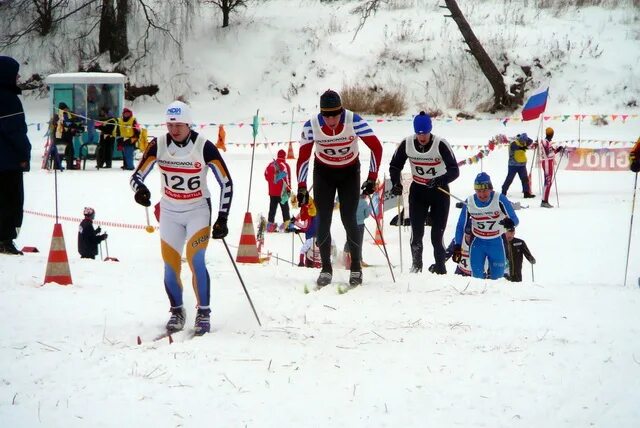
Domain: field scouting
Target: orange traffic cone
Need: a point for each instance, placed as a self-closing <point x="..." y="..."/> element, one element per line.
<point x="378" y="239"/>
<point x="222" y="135"/>
<point x="290" y="154"/>
<point x="248" y="248"/>
<point x="58" y="263"/>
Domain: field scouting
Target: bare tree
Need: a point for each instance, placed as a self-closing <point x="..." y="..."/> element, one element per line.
<point x="501" y="97"/>
<point x="113" y="34"/>
<point x="42" y="16"/>
<point x="227" y="6"/>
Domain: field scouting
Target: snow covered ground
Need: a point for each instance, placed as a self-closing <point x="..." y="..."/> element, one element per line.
<point x="427" y="350"/>
<point x="561" y="350"/>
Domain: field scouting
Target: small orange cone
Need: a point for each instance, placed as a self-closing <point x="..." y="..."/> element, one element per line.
<point x="379" y="240"/>
<point x="248" y="248"/>
<point x="58" y="263"/>
<point x="222" y="135"/>
<point x="290" y="154"/>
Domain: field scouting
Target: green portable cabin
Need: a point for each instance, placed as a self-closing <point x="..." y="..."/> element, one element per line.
<point x="85" y="94"/>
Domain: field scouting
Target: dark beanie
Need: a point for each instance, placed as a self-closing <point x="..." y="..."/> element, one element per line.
<point x="330" y="103"/>
<point x="62" y="106"/>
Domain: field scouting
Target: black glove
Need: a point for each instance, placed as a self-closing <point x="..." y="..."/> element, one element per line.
<point x="303" y="196"/>
<point x="396" y="189"/>
<point x="507" y="223"/>
<point x="368" y="187"/>
<point x="98" y="230"/>
<point x="457" y="254"/>
<point x="220" y="229"/>
<point x="532" y="261"/>
<point x="143" y="196"/>
<point x="104" y="236"/>
<point x="433" y="183"/>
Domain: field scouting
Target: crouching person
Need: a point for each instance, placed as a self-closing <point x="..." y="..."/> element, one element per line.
<point x="88" y="237"/>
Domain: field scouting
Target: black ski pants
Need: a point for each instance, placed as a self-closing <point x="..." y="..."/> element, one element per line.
<point x="105" y="151"/>
<point x="274" y="203"/>
<point x="11" y="204"/>
<point x="346" y="182"/>
<point x="423" y="200"/>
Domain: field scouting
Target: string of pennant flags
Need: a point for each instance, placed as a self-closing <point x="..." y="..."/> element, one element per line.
<point x="446" y="119"/>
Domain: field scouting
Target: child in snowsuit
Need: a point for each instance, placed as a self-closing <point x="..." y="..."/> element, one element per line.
<point x="307" y="222"/>
<point x="88" y="237"/>
<point x="516" y="249"/>
<point x="518" y="164"/>
<point x="487" y="213"/>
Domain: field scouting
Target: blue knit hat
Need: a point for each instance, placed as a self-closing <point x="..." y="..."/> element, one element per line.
<point x="482" y="182"/>
<point x="422" y="123"/>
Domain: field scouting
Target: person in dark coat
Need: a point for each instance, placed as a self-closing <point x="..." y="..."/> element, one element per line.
<point x="515" y="249"/>
<point x="107" y="127"/>
<point x="15" y="155"/>
<point x="88" y="237"/>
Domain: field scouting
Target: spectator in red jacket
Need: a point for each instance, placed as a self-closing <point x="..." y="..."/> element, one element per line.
<point x="278" y="176"/>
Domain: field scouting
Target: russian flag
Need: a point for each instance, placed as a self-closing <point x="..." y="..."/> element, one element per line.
<point x="536" y="104"/>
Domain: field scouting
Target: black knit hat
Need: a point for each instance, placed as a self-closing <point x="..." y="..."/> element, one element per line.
<point x="330" y="103"/>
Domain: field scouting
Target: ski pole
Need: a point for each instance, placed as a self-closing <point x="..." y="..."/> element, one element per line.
<point x="453" y="196"/>
<point x="374" y="239"/>
<point x="148" y="228"/>
<point x="241" y="281"/>
<point x="386" y="253"/>
<point x="633" y="205"/>
<point x="555" y="175"/>
<point x="533" y="278"/>
<point x="400" y="224"/>
<point x="100" y="248"/>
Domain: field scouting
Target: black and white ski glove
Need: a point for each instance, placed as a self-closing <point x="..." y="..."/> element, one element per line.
<point x="143" y="196"/>
<point x="368" y="187"/>
<point x="220" y="229"/>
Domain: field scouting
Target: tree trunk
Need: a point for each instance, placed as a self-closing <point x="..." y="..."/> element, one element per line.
<point x="501" y="98"/>
<point x="225" y="18"/>
<point x="107" y="24"/>
<point x="120" y="47"/>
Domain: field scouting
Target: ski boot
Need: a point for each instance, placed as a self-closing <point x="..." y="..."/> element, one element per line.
<point x="176" y="322"/>
<point x="324" y="278"/>
<point x="7" y="247"/>
<point x="529" y="195"/>
<point x="301" y="263"/>
<point x="355" y="278"/>
<point x="545" y="204"/>
<point x="438" y="268"/>
<point x="202" y="321"/>
<point x="416" y="255"/>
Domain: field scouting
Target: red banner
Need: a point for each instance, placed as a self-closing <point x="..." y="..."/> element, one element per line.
<point x="598" y="160"/>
